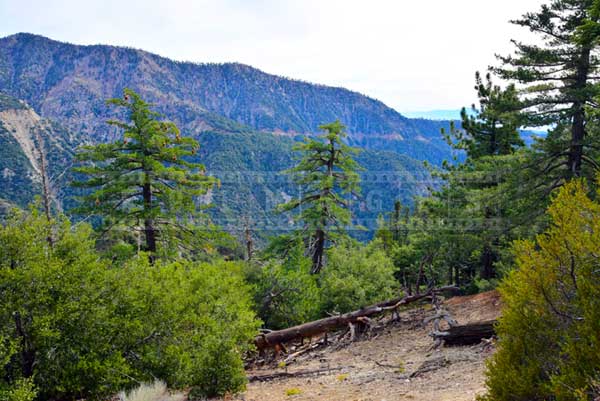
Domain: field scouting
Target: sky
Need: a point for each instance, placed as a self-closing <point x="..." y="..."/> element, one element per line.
<point x="413" y="55"/>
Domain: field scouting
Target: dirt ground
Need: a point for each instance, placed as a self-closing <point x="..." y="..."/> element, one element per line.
<point x="382" y="367"/>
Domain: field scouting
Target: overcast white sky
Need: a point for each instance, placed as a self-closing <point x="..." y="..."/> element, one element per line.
<point x="411" y="54"/>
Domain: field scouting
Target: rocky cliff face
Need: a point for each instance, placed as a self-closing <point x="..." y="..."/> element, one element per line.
<point x="25" y="139"/>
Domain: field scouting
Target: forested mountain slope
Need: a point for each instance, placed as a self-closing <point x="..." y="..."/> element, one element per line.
<point x="70" y="83"/>
<point x="249" y="165"/>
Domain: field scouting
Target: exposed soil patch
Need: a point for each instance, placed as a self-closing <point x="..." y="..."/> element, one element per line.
<point x="397" y="363"/>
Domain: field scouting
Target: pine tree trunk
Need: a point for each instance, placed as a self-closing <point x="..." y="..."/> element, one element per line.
<point x="578" y="125"/>
<point x="488" y="256"/>
<point x="149" y="229"/>
<point x="493" y="144"/>
<point x="576" y="147"/>
<point x="456" y="276"/>
<point x="249" y="242"/>
<point x="319" y="250"/>
<point x="487" y="262"/>
<point x="421" y="275"/>
<point x="396" y="221"/>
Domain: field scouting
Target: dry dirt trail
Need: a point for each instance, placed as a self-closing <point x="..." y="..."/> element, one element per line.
<point x="382" y="368"/>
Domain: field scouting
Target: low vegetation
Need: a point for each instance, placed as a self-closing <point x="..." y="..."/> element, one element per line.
<point x="550" y="326"/>
<point x="83" y="327"/>
<point x="156" y="391"/>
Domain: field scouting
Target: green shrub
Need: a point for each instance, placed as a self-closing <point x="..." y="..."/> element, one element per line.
<point x="479" y="285"/>
<point x="550" y="326"/>
<point x="356" y="276"/>
<point x="285" y="293"/>
<point x="82" y="329"/>
<point x="293" y="391"/>
<point x="21" y="390"/>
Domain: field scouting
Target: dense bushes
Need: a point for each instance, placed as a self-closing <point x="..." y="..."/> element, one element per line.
<point x="285" y="293"/>
<point x="21" y="390"/>
<point x="550" y="327"/>
<point x="356" y="275"/>
<point x="82" y="329"/>
<point x="74" y="324"/>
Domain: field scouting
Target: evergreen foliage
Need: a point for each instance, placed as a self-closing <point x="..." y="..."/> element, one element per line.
<point x="145" y="182"/>
<point x="560" y="76"/>
<point x="285" y="292"/>
<point x="549" y="330"/>
<point x="492" y="128"/>
<point x="326" y="172"/>
<point x="357" y="276"/>
<point x="457" y="234"/>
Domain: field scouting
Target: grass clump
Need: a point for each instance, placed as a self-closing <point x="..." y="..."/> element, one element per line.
<point x="156" y="391"/>
<point x="293" y="391"/>
<point x="342" y="377"/>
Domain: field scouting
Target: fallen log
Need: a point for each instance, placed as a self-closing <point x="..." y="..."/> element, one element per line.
<point x="310" y="329"/>
<point x="284" y="375"/>
<point x="466" y="334"/>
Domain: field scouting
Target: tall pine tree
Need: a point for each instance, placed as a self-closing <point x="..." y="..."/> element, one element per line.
<point x="489" y="135"/>
<point x="145" y="181"/>
<point x="326" y="172"/>
<point x="491" y="130"/>
<point x="559" y="76"/>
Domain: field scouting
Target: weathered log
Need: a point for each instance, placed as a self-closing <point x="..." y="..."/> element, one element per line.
<point x="285" y="375"/>
<point x="267" y="340"/>
<point x="466" y="334"/>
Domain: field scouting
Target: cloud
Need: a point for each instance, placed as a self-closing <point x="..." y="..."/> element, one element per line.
<point x="413" y="55"/>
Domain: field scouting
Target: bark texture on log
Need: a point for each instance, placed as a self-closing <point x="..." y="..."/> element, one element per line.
<point x="285" y="375"/>
<point x="466" y="334"/>
<point x="267" y="340"/>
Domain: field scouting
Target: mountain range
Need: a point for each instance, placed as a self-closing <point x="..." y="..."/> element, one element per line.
<point x="245" y="119"/>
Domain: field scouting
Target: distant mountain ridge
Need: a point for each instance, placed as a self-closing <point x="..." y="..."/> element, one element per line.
<point x="70" y="83"/>
<point x="246" y="122"/>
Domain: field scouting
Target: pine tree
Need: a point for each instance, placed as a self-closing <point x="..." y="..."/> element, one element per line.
<point x="489" y="135"/>
<point x="393" y="230"/>
<point x="146" y="179"/>
<point x="559" y="75"/>
<point x="492" y="130"/>
<point x="326" y="172"/>
<point x="493" y="127"/>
